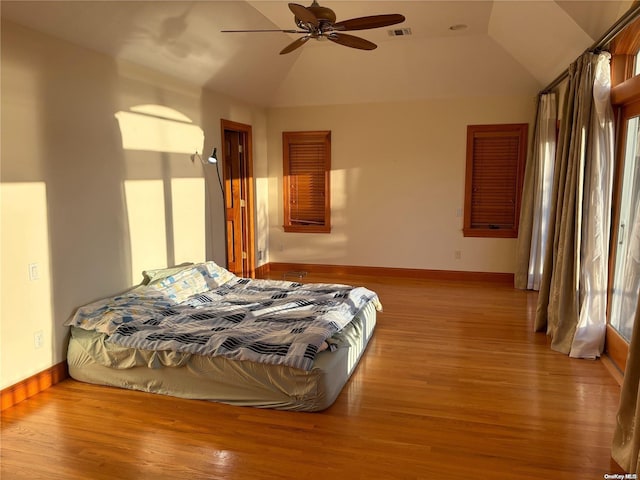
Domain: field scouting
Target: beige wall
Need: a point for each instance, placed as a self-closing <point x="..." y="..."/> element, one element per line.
<point x="397" y="184"/>
<point x="98" y="184"/>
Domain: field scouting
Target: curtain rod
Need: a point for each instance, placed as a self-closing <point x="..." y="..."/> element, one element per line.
<point x="617" y="27"/>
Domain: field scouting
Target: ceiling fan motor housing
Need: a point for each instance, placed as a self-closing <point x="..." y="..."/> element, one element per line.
<point x="324" y="15"/>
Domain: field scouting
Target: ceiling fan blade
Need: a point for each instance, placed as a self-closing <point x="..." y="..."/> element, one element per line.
<point x="374" y="21"/>
<point x="304" y="14"/>
<point x="249" y="31"/>
<point x="295" y="44"/>
<point x="352" y="41"/>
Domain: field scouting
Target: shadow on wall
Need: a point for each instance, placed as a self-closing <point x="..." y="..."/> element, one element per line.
<point x="97" y="185"/>
<point x="63" y="139"/>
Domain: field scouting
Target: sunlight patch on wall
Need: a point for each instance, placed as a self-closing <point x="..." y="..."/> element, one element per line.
<point x="262" y="220"/>
<point x="147" y="225"/>
<point x="188" y="219"/>
<point x="157" y="128"/>
<point x="160" y="238"/>
<point x="26" y="342"/>
<point x="167" y="224"/>
<point x="343" y="183"/>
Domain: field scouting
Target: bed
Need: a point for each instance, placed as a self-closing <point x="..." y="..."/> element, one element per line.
<point x="198" y="331"/>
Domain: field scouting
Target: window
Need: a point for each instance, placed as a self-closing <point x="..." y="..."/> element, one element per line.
<point x="623" y="283"/>
<point x="306" y="169"/>
<point x="495" y="171"/>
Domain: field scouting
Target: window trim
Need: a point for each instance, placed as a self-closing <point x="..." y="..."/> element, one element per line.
<point x="289" y="138"/>
<point x="625" y="50"/>
<point x="499" y="130"/>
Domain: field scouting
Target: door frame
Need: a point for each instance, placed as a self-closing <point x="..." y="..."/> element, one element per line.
<point x="248" y="212"/>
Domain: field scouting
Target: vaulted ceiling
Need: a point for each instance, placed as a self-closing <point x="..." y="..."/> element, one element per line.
<point x="505" y="47"/>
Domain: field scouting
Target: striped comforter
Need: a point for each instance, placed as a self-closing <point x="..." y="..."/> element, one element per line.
<point x="265" y="321"/>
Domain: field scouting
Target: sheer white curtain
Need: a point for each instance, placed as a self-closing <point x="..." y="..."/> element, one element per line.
<point x="544" y="152"/>
<point x="588" y="341"/>
<point x="536" y="196"/>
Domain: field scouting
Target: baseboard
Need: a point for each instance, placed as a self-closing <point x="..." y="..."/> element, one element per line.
<point x="262" y="271"/>
<point x="388" y="272"/>
<point x="33" y="385"/>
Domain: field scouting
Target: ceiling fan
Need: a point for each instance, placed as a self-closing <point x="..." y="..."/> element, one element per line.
<point x="320" y="22"/>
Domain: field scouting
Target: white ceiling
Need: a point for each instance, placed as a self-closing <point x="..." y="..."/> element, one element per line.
<point x="509" y="46"/>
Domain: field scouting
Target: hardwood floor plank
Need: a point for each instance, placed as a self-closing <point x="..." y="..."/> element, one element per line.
<point x="454" y="384"/>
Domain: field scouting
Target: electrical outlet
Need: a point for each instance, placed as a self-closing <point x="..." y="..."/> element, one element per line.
<point x="38" y="339"/>
<point x="457" y="254"/>
<point x="259" y="254"/>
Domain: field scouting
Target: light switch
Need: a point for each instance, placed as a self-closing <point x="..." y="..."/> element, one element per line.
<point x="34" y="271"/>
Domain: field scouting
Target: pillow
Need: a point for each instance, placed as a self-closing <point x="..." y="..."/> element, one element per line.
<point x="214" y="274"/>
<point x="160" y="273"/>
<point x="181" y="285"/>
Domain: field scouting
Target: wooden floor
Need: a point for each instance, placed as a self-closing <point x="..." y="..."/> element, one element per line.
<point x="454" y="385"/>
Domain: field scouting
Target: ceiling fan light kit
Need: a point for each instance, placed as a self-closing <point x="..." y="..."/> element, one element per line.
<point x="319" y="23"/>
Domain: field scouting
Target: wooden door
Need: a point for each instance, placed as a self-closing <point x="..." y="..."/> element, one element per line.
<point x="233" y="202"/>
<point x="238" y="187"/>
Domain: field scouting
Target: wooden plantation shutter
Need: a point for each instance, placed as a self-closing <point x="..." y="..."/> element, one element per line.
<point x="306" y="184"/>
<point x="495" y="171"/>
<point x="306" y="168"/>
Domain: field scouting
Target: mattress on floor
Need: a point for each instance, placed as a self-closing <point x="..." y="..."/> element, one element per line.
<point x="220" y="379"/>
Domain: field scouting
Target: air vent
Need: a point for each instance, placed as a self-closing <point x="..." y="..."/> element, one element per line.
<point x="399" y="32"/>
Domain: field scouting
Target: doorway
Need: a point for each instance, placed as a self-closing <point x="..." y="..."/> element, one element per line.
<point x="238" y="197"/>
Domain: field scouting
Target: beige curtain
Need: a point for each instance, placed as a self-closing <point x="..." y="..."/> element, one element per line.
<point x="626" y="439"/>
<point x="536" y="197"/>
<point x="595" y="212"/>
<point x="557" y="311"/>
